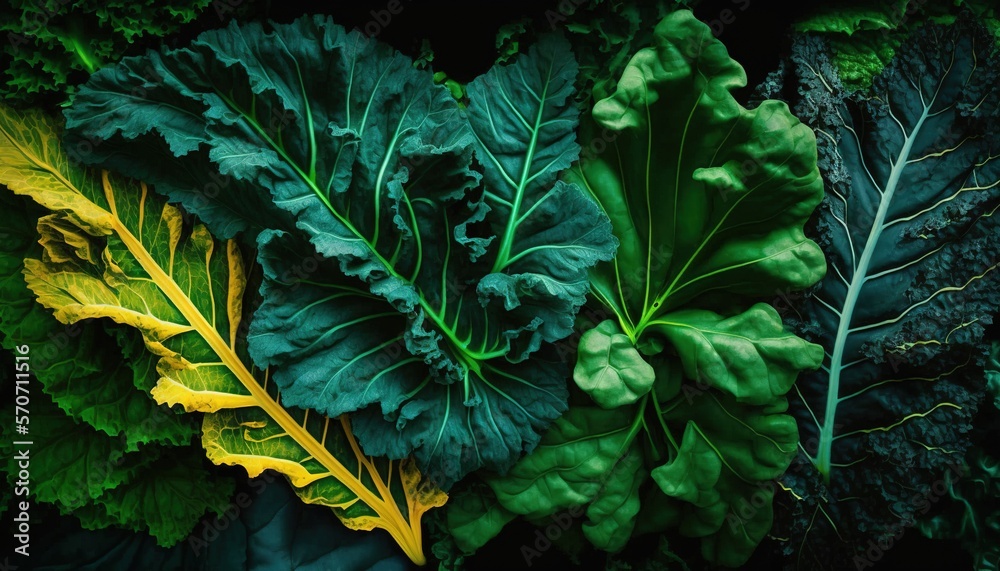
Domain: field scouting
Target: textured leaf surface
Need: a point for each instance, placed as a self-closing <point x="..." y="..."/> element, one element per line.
<point x="183" y="290"/>
<point x="864" y="36"/>
<point x="166" y="497"/>
<point x="79" y="366"/>
<point x="50" y="41"/>
<point x="72" y="464"/>
<point x="587" y="457"/>
<point x="605" y="34"/>
<point x="848" y="19"/>
<point x="85" y="472"/>
<point x="970" y="510"/>
<point x="609" y="368"/>
<point x="708" y="201"/>
<point x="909" y="225"/>
<point x="435" y="278"/>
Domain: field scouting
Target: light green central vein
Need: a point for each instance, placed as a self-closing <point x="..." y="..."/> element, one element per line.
<point x="826" y="437"/>
<point x="508" y="235"/>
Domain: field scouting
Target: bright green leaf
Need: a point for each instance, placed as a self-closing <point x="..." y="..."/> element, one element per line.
<point x="749" y="355"/>
<point x="609" y="368"/>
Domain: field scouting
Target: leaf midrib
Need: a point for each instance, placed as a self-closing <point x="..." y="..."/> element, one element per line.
<point x="386" y="508"/>
<point x="503" y="256"/>
<point x="466" y="356"/>
<point x="824" y="453"/>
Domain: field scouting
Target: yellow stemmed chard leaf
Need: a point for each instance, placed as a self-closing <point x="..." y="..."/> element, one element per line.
<point x="115" y="249"/>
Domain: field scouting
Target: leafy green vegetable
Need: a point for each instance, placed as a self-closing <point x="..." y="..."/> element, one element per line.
<point x="605" y="34"/>
<point x="864" y="36"/>
<point x="264" y="528"/>
<point x="184" y="292"/>
<point x="164" y="491"/>
<point x="447" y="250"/>
<point x="49" y="41"/>
<point x="98" y="453"/>
<point x="708" y="201"/>
<point x="166" y="496"/>
<point x="909" y="228"/>
<point x="851" y="18"/>
<point x="508" y="39"/>
<point x="71" y="464"/>
<point x="80" y="367"/>
<point x="475" y="517"/>
<point x="972" y="513"/>
<point x="610" y="369"/>
<point x="570" y="466"/>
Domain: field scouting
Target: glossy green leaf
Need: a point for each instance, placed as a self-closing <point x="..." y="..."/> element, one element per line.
<point x="739" y="355"/>
<point x="609" y="368"/>
<point x="588" y="457"/>
<point x="709" y="201"/>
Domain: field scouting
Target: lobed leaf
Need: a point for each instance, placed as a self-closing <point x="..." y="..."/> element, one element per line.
<point x="909" y="227"/>
<point x="184" y="291"/>
<point x="442" y="251"/>
<point x="708" y="201"/>
<point x="81" y="367"/>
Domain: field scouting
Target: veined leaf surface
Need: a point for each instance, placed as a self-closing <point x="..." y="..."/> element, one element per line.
<point x="184" y="291"/>
<point x="910" y="227"/>
<point x="434" y="281"/>
<point x="80" y="366"/>
<point x="708" y="201"/>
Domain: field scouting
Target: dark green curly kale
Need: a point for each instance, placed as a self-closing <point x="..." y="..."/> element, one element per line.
<point x="909" y="227"/>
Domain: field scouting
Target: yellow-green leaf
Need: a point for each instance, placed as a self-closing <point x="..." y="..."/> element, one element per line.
<point x="114" y="249"/>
